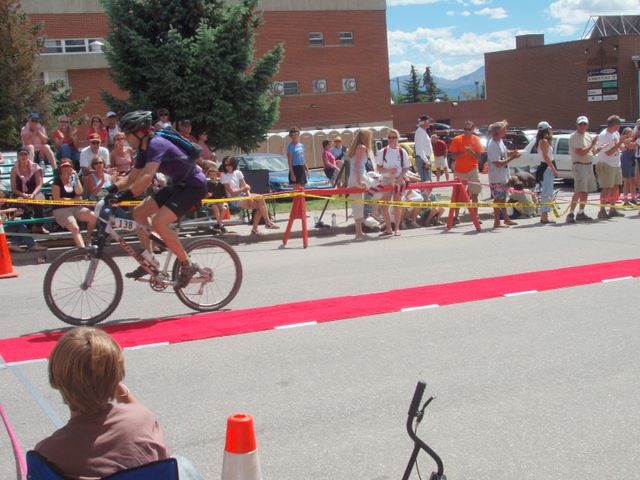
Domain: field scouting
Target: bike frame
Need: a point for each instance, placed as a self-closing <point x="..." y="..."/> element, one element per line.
<point x="107" y="221"/>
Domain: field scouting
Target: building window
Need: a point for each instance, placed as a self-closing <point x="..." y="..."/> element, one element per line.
<point x="349" y="85"/>
<point x="346" y="38"/>
<point x="316" y="39"/>
<point x="73" y="45"/>
<point x="319" y="86"/>
<point x="50" y="77"/>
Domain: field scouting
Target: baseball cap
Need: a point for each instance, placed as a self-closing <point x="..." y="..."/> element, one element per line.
<point x="65" y="162"/>
<point x="34" y="116"/>
<point x="582" y="119"/>
<point x="163" y="111"/>
<point x="23" y="150"/>
<point x="544" y="125"/>
<point x="95" y="136"/>
<point x="111" y="114"/>
<point x="424" y="118"/>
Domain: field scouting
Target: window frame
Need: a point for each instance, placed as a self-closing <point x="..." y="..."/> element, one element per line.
<point x="318" y="41"/>
<point x="345" y="38"/>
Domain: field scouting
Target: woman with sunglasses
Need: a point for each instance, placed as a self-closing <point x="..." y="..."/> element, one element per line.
<point x="26" y="182"/>
<point x="236" y="186"/>
<point x="98" y="179"/>
<point x="67" y="186"/>
<point x="120" y="156"/>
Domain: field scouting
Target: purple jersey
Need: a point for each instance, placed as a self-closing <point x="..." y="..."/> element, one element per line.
<point x="174" y="163"/>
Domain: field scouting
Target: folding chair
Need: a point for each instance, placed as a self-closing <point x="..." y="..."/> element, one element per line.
<point x="39" y="469"/>
<point x="259" y="181"/>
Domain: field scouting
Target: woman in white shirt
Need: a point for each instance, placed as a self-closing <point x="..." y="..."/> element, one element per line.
<point x="236" y="186"/>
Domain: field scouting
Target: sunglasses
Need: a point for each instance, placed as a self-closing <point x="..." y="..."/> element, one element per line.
<point x="98" y="163"/>
<point x="63" y="121"/>
<point x="468" y="129"/>
<point x="95" y="142"/>
<point x="120" y="139"/>
<point x="392" y="138"/>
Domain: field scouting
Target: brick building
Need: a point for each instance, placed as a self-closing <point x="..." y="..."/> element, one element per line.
<point x="335" y="71"/>
<point x="597" y="77"/>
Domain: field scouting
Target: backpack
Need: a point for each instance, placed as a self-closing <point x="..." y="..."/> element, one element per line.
<point x="190" y="149"/>
<point x="402" y="154"/>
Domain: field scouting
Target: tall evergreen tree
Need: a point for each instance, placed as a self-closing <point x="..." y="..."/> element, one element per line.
<point x="412" y="87"/>
<point x="430" y="87"/>
<point x="21" y="87"/>
<point x="194" y="57"/>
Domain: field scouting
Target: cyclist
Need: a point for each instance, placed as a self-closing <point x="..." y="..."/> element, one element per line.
<point x="169" y="203"/>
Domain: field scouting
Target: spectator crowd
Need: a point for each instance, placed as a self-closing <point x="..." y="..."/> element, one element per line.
<point x="85" y="162"/>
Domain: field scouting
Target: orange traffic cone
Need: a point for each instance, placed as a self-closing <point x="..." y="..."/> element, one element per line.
<point x="6" y="267"/>
<point x="227" y="212"/>
<point x="240" y="452"/>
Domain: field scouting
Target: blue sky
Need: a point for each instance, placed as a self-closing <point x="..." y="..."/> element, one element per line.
<point x="451" y="36"/>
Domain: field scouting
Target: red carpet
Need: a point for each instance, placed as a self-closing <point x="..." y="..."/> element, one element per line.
<point x="217" y="324"/>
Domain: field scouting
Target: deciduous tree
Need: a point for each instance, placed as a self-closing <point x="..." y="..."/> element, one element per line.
<point x="21" y="87"/>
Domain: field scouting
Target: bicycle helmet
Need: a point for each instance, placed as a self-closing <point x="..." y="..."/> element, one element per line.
<point x="134" y="121"/>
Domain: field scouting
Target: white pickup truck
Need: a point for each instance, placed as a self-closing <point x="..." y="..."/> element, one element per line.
<point x="561" y="155"/>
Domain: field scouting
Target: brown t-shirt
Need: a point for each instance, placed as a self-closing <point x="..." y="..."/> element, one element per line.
<point x="126" y="435"/>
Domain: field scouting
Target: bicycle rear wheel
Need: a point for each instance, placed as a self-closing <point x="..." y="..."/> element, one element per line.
<point x="218" y="260"/>
<point x="66" y="291"/>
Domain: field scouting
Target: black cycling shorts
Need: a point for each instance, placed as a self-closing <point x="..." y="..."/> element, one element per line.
<point x="180" y="198"/>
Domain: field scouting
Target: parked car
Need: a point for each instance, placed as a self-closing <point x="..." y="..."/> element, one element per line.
<point x="561" y="155"/>
<point x="278" y="167"/>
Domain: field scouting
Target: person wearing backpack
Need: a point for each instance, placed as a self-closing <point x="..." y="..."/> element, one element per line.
<point x="160" y="153"/>
<point x="393" y="163"/>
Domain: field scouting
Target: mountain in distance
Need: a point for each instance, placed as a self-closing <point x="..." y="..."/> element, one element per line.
<point x="454" y="88"/>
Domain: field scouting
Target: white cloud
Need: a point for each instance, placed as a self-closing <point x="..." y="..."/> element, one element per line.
<point x="578" y="11"/>
<point x="449" y="55"/>
<point x="480" y="2"/>
<point x="397" y="3"/>
<point x="451" y="13"/>
<point x="465" y="13"/>
<point x="563" y="29"/>
<point x="494" y="13"/>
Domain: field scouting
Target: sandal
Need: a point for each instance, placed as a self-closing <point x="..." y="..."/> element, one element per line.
<point x="256" y="232"/>
<point x="272" y="226"/>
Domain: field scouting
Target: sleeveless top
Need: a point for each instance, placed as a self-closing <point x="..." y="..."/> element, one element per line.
<point x="96" y="181"/>
<point x="27" y="183"/>
<point x="123" y="162"/>
<point x="67" y="191"/>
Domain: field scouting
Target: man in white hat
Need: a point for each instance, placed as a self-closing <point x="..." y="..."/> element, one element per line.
<point x="582" y="149"/>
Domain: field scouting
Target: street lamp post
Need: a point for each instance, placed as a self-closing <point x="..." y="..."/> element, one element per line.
<point x="477" y="90"/>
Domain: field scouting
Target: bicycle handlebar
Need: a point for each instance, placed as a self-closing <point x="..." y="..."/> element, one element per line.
<point x="417" y="396"/>
<point x="415" y="412"/>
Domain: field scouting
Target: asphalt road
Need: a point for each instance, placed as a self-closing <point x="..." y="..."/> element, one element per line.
<point x="534" y="386"/>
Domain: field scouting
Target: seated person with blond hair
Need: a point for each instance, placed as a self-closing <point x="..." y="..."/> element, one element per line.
<point x="109" y="430"/>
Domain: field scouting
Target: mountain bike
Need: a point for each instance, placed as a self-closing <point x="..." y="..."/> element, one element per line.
<point x="417" y="413"/>
<point x="84" y="285"/>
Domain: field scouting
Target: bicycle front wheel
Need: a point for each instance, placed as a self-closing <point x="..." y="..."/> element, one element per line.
<point x="217" y="260"/>
<point x="82" y="289"/>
